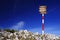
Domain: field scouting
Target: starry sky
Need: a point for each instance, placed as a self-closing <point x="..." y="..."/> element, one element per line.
<point x="24" y="15"/>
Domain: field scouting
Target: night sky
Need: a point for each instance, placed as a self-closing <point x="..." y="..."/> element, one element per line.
<point x="24" y="15"/>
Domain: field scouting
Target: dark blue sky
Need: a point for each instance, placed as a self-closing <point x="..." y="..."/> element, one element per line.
<point x="26" y="12"/>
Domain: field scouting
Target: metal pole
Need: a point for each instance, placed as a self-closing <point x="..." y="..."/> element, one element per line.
<point x="42" y="24"/>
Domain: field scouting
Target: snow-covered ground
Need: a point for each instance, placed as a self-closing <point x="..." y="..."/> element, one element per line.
<point x="26" y="35"/>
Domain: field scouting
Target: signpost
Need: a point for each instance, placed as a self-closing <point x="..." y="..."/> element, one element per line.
<point x="42" y="10"/>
